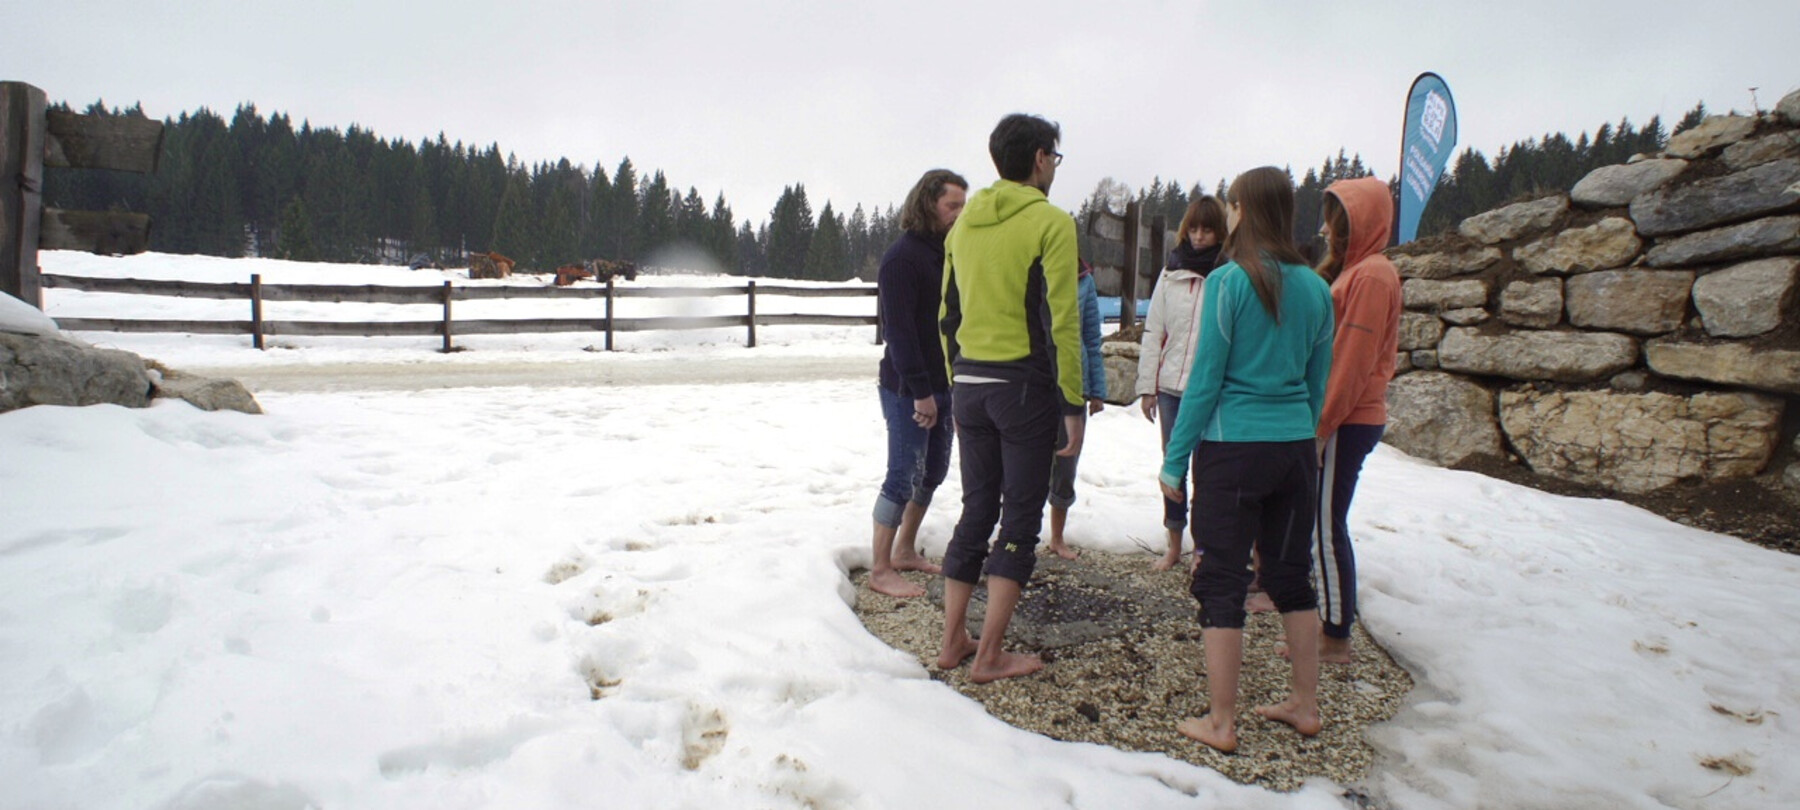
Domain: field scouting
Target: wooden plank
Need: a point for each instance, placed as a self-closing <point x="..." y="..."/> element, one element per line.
<point x="109" y="233"/>
<point x="21" y="189"/>
<point x="816" y="292"/>
<point x="816" y="320"/>
<point x="353" y="294"/>
<point x="133" y="286"/>
<point x="145" y="325"/>
<point x="518" y="292"/>
<point x="122" y="142"/>
<point x="355" y="329"/>
<point x="678" y="292"/>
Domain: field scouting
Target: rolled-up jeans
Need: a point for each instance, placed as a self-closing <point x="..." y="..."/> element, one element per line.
<point x="917" y="458"/>
<point x="1175" y="513"/>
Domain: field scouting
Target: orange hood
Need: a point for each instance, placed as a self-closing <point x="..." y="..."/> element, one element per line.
<point x="1370" y="208"/>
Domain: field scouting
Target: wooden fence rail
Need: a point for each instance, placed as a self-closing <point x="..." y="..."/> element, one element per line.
<point x="257" y="293"/>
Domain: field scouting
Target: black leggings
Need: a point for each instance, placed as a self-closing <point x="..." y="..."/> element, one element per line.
<point x="1253" y="495"/>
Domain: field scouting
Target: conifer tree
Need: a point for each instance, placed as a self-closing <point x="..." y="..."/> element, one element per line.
<point x="827" y="255"/>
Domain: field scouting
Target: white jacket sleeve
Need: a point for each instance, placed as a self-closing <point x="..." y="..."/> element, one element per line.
<point x="1150" y="346"/>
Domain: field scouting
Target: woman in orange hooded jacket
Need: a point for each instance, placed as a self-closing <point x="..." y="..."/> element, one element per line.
<point x="1365" y="296"/>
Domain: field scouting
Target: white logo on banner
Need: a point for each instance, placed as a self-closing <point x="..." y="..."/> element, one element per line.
<point x="1433" y="117"/>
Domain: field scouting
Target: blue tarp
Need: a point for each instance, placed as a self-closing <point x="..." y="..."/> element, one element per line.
<point x="1109" y="308"/>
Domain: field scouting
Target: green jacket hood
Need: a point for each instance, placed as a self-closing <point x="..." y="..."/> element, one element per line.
<point x="999" y="202"/>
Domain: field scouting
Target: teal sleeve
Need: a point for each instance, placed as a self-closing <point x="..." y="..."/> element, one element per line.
<point x="1061" y="269"/>
<point x="1201" y="398"/>
<point x="1318" y="367"/>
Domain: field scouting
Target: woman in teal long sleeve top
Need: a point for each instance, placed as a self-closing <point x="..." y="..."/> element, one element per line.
<point x="1252" y="406"/>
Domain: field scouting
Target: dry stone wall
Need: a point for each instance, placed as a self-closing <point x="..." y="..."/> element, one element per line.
<point x="1639" y="332"/>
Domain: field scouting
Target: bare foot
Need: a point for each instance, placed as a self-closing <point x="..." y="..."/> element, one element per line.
<point x="892" y="584"/>
<point x="1166" y="561"/>
<point x="916" y="562"/>
<point x="953" y="655"/>
<point x="1222" y="736"/>
<point x="1010" y="665"/>
<point x="1331" y="651"/>
<point x="1304" y="720"/>
<point x="1061" y="549"/>
<point x="1259" y="602"/>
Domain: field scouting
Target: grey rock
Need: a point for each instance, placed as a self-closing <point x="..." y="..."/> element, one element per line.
<point x="1514" y="221"/>
<point x="1421" y="293"/>
<point x="1403" y="363"/>
<point x="1120" y="358"/>
<point x="1641" y="442"/>
<point x="1467" y="316"/>
<point x="1757" y="151"/>
<point x="49" y="370"/>
<point x="1571" y="357"/>
<point x="1642" y="302"/>
<point x="1747" y="299"/>
<point x="1711" y="134"/>
<point x="1731" y="364"/>
<point x="1610" y="186"/>
<point x="1532" y="304"/>
<point x="1791" y="477"/>
<point x="1446" y="265"/>
<point x="1426" y="359"/>
<point x="1441" y="417"/>
<point x="1756" y="191"/>
<point x="1611" y="242"/>
<point x="1630" y="381"/>
<point x="1761" y="237"/>
<point x="1788" y="109"/>
<point x="1419" y="331"/>
<point x="205" y="393"/>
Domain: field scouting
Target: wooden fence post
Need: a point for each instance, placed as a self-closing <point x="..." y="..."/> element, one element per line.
<point x="21" y="189"/>
<point x="609" y="313"/>
<point x="449" y="293"/>
<point x="256" y="319"/>
<point x="752" y="317"/>
<point x="1134" y="215"/>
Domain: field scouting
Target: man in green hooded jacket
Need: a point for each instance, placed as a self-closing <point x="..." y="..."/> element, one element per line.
<point x="1012" y="335"/>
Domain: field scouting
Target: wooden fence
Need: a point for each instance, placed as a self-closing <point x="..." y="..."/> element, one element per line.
<point x="256" y="293"/>
<point x="1127" y="253"/>
<point x="33" y="138"/>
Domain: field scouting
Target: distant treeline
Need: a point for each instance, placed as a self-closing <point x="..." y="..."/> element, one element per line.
<point x="1472" y="183"/>
<point x="258" y="186"/>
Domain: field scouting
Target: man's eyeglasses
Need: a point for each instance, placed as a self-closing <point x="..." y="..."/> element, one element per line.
<point x="1055" y="158"/>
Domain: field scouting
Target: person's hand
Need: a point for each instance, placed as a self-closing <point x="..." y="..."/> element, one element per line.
<point x="1096" y="405"/>
<point x="1076" y="426"/>
<point x="1321" y="441"/>
<point x="1170" y="492"/>
<point x="1148" y="403"/>
<point x="925" y="412"/>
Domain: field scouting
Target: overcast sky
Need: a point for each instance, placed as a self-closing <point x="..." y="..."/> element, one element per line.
<point x="856" y="100"/>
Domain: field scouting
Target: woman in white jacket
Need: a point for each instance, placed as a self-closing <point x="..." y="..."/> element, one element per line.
<point x="1167" y="352"/>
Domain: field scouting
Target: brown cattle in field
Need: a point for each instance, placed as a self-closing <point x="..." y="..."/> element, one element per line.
<point x="571" y="273"/>
<point x="607" y="269"/>
<point x="489" y="265"/>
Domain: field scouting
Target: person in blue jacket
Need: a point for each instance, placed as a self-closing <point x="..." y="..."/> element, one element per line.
<point x="1093" y="384"/>
<point x="915" y="383"/>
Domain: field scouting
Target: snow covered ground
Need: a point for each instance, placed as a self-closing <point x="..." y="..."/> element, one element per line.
<point x="531" y="576"/>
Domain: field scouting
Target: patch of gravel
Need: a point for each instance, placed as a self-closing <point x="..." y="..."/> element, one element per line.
<point x="1124" y="664"/>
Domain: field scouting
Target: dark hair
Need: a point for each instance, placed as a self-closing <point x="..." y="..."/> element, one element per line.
<point x="919" y="214"/>
<point x="1265" y="231"/>
<point x="1337" y="236"/>
<point x="1205" y="212"/>
<point x="1015" y="142"/>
